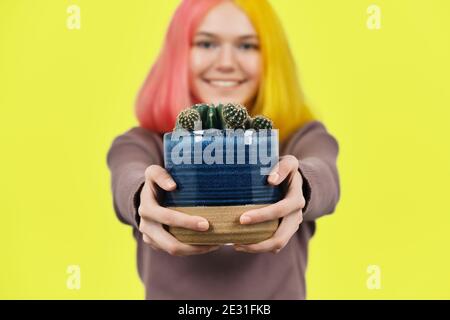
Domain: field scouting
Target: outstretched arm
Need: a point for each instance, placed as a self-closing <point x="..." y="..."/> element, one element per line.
<point x="128" y="157"/>
<point x="316" y="151"/>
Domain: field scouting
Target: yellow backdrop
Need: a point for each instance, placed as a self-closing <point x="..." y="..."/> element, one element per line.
<point x="377" y="75"/>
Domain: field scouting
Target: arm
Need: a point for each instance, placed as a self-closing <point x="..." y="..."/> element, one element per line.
<point x="308" y="165"/>
<point x="128" y="157"/>
<point x="135" y="160"/>
<point x="317" y="153"/>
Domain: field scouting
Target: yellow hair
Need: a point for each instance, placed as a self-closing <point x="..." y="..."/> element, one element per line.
<point x="280" y="97"/>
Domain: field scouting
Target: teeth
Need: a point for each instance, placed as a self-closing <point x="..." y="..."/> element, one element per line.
<point x="224" y="84"/>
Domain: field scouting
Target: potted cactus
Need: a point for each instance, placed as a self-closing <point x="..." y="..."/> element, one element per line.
<point x="188" y="119"/>
<point x="220" y="158"/>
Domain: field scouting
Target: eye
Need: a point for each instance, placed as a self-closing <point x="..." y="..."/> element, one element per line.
<point x="205" y="44"/>
<point x="248" y="46"/>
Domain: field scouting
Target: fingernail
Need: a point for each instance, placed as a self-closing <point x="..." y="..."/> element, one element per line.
<point x="203" y="225"/>
<point x="245" y="219"/>
<point x="170" y="183"/>
<point x="238" y="249"/>
<point x="274" y="177"/>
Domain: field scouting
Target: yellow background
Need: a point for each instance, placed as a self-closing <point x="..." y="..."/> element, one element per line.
<point x="65" y="94"/>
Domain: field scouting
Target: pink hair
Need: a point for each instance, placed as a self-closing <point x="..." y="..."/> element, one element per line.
<point x="166" y="90"/>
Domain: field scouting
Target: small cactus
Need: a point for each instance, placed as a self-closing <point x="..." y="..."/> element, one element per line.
<point x="220" y="122"/>
<point x="261" y="122"/>
<point x="233" y="116"/>
<point x="202" y="108"/>
<point x="187" y="119"/>
<point x="228" y="116"/>
<point x="248" y="123"/>
<point x="211" y="118"/>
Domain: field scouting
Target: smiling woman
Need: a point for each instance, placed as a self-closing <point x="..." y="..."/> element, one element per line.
<point x="222" y="51"/>
<point x="225" y="61"/>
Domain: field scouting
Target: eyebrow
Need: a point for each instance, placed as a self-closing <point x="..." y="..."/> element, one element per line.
<point x="209" y="34"/>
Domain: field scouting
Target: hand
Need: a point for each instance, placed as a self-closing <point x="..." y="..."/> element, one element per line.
<point x="153" y="216"/>
<point x="289" y="209"/>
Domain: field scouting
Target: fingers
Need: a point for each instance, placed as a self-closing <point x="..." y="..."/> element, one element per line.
<point x="292" y="202"/>
<point x="173" y="218"/>
<point x="151" y="209"/>
<point x="159" y="175"/>
<point x="155" y="235"/>
<point x="288" y="227"/>
<point x="150" y="242"/>
<point x="282" y="169"/>
<point x="153" y="216"/>
<point x="271" y="212"/>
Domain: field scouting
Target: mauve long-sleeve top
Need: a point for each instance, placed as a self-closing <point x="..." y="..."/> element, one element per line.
<point x="226" y="273"/>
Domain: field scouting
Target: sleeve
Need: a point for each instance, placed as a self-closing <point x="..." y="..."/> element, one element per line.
<point x="128" y="157"/>
<point x="317" y="152"/>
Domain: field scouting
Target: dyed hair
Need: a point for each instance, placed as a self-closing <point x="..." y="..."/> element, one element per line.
<point x="166" y="90"/>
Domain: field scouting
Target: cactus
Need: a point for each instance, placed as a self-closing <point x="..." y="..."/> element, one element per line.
<point x="220" y="122"/>
<point x="228" y="116"/>
<point x="248" y="123"/>
<point x="187" y="119"/>
<point x="211" y="118"/>
<point x="261" y="122"/>
<point x="233" y="116"/>
<point x="208" y="115"/>
<point x="202" y="108"/>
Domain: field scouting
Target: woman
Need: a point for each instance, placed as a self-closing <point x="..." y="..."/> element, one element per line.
<point x="224" y="51"/>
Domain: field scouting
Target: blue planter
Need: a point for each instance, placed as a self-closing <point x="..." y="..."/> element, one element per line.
<point x="234" y="174"/>
<point x="214" y="169"/>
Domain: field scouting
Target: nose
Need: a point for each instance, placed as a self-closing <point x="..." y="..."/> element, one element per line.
<point x="226" y="59"/>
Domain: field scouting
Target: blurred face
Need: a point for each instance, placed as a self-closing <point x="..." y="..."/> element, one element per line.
<point x="225" y="60"/>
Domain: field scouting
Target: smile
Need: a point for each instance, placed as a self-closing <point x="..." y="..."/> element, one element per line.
<point x="224" y="83"/>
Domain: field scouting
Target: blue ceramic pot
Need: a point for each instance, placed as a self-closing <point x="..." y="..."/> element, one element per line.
<point x="233" y="171"/>
<point x="221" y="171"/>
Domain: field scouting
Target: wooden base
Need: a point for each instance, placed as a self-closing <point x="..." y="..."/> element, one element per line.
<point x="224" y="226"/>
